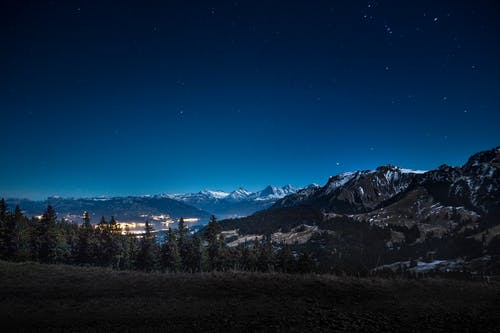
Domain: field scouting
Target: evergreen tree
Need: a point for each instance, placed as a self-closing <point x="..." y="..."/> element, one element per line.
<point x="9" y="241"/>
<point x="116" y="244"/>
<point x="110" y="243"/>
<point x="104" y="252"/>
<point x="130" y="250"/>
<point x="66" y="237"/>
<point x="212" y="230"/>
<point x="169" y="257"/>
<point x="86" y="242"/>
<point x="146" y="258"/>
<point x="3" y="210"/>
<point x="194" y="259"/>
<point x="184" y="243"/>
<point x="23" y="230"/>
<point x="47" y="236"/>
<point x="215" y="244"/>
<point x="3" y="227"/>
<point x="103" y="225"/>
<point x="182" y="229"/>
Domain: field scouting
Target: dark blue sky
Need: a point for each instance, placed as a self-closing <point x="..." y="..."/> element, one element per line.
<point x="136" y="97"/>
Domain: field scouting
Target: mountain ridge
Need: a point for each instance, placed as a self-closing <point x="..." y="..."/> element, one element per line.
<point x="388" y="214"/>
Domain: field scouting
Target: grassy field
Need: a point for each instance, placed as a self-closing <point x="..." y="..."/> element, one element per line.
<point x="65" y="298"/>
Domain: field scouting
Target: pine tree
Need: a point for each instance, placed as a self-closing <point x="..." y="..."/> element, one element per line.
<point x="130" y="250"/>
<point x="215" y="245"/>
<point x="47" y="237"/>
<point x="182" y="229"/>
<point x="9" y="233"/>
<point x="116" y="251"/>
<point x="110" y="243"/>
<point x="194" y="259"/>
<point x="66" y="237"/>
<point x="148" y="252"/>
<point x="85" y="243"/>
<point x="104" y="252"/>
<point x="3" y="229"/>
<point x="23" y="228"/>
<point x="103" y="225"/>
<point x="3" y="210"/>
<point x="212" y="230"/>
<point x="183" y="243"/>
<point x="170" y="258"/>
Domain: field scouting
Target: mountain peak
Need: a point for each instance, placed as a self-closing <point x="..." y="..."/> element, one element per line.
<point x="491" y="156"/>
<point x="273" y="192"/>
<point x="217" y="194"/>
<point x="239" y="194"/>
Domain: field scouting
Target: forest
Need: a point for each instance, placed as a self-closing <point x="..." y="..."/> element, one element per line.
<point x="52" y="240"/>
<point x="342" y="248"/>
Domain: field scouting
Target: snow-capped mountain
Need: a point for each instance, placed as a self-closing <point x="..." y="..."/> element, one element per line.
<point x="392" y="213"/>
<point x="436" y="200"/>
<point x="215" y="194"/>
<point x="239" y="195"/>
<point x="359" y="191"/>
<point x="271" y="193"/>
<point x="237" y="203"/>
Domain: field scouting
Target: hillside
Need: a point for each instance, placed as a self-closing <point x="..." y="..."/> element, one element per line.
<point x="359" y="220"/>
<point x="57" y="297"/>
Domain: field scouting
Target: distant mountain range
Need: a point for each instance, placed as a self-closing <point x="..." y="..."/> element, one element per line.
<point x="369" y="218"/>
<point x="160" y="208"/>
<point x="237" y="203"/>
<point x="156" y="209"/>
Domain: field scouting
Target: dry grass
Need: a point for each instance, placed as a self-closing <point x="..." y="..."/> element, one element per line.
<point x="66" y="298"/>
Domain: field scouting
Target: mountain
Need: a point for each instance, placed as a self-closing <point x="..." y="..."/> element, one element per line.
<point x="160" y="210"/>
<point x="272" y="193"/>
<point x="237" y="203"/>
<point x="353" y="192"/>
<point x="156" y="209"/>
<point x="389" y="214"/>
<point x="238" y="195"/>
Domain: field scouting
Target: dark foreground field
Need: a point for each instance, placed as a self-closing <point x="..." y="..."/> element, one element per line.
<point x="65" y="298"/>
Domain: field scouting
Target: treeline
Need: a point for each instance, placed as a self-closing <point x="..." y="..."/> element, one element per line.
<point x="52" y="240"/>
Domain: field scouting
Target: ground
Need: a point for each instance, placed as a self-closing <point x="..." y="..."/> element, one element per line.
<point x="67" y="298"/>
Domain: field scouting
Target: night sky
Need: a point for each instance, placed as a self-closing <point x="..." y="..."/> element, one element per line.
<point x="144" y="97"/>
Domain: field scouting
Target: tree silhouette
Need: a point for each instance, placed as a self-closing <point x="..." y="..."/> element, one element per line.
<point x="148" y="251"/>
<point x="86" y="241"/>
<point x="169" y="257"/>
